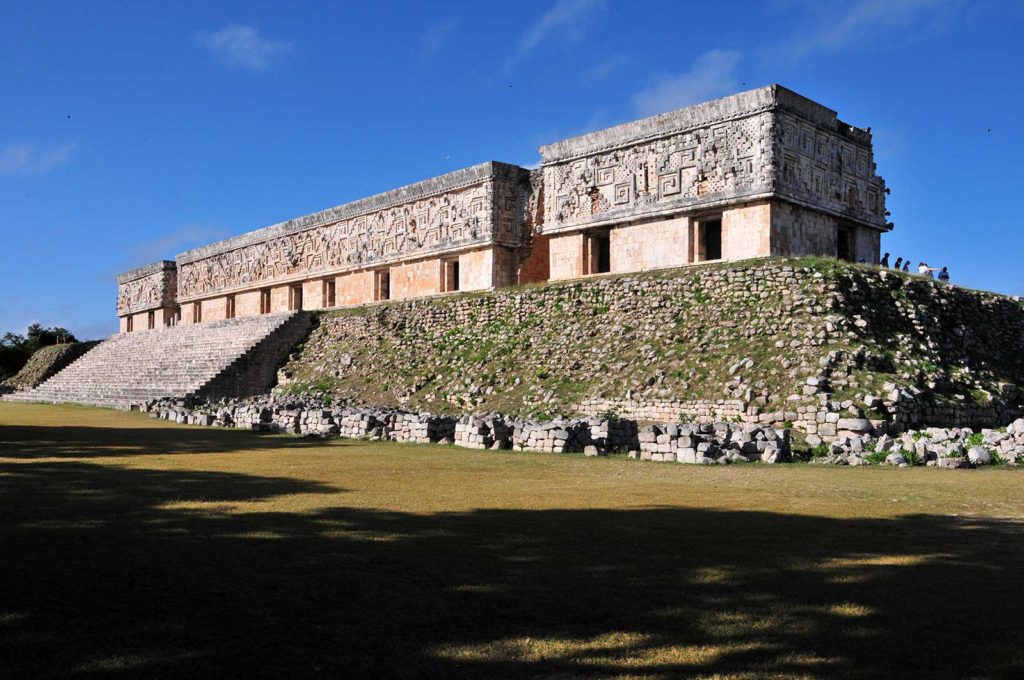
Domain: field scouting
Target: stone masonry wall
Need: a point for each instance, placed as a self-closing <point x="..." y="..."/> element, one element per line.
<point x="797" y="230"/>
<point x="707" y="444"/>
<point x="805" y="341"/>
<point x="650" y="245"/>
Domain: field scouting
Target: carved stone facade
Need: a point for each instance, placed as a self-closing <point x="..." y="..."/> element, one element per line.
<point x="764" y="172"/>
<point x="753" y="145"/>
<point x="762" y="153"/>
<point x="145" y="290"/>
<point x="472" y="207"/>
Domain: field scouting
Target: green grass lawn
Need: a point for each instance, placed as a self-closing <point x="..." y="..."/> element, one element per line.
<point x="131" y="547"/>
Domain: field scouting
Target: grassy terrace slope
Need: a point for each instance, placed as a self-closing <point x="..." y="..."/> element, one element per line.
<point x="138" y="548"/>
<point x="674" y="335"/>
<point x="45" y="362"/>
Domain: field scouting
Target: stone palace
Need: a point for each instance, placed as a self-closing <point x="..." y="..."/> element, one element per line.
<point x="760" y="173"/>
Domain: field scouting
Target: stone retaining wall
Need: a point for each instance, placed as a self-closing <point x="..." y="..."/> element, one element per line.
<point x="776" y="342"/>
<point x="697" y="443"/>
<point x="693" y="443"/>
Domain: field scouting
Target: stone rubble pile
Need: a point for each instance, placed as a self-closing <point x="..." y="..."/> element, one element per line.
<point x="694" y="443"/>
<point x="710" y="443"/>
<point x="933" y="446"/>
<point x="857" y="443"/>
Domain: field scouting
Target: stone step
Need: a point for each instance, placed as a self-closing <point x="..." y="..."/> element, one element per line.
<point x="232" y="355"/>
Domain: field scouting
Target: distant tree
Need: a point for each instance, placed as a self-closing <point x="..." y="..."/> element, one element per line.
<point x="15" y="349"/>
<point x="43" y="337"/>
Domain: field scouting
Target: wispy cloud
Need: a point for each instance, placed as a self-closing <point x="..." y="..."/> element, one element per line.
<point x="166" y="246"/>
<point x="436" y="35"/>
<point x="836" y="26"/>
<point x="603" y="68"/>
<point x="242" y="46"/>
<point x="28" y="159"/>
<point x="567" y="18"/>
<point x="712" y="74"/>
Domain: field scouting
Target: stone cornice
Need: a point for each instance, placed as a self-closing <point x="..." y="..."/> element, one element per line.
<point x="146" y="270"/>
<point x="451" y="181"/>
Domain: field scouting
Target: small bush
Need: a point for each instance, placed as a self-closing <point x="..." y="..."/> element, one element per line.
<point x="876" y="457"/>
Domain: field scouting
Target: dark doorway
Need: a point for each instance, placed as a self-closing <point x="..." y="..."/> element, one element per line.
<point x="329" y="294"/>
<point x="602" y="254"/>
<point x="710" y="245"/>
<point x="382" y="286"/>
<point x="597" y="254"/>
<point x="451" y="276"/>
<point x="845" y="244"/>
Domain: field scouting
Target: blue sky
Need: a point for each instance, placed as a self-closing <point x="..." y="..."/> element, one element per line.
<point x="130" y="131"/>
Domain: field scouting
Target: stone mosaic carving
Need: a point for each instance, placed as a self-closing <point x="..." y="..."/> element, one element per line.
<point x="145" y="288"/>
<point x="483" y="213"/>
<point x="725" y="161"/>
<point x="751" y="145"/>
<point x="829" y="169"/>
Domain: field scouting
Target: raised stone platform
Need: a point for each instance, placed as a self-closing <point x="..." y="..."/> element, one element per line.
<point x="232" y="357"/>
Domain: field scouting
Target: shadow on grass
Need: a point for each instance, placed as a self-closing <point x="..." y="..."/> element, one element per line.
<point x="40" y="441"/>
<point x="104" y="574"/>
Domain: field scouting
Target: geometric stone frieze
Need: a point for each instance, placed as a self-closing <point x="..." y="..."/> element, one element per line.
<point x="756" y="144"/>
<point x="479" y="205"/>
<point x="150" y="287"/>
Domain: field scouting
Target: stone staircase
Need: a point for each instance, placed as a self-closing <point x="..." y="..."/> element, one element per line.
<point x="229" y="358"/>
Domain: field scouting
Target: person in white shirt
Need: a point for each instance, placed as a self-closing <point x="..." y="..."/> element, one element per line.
<point x="924" y="270"/>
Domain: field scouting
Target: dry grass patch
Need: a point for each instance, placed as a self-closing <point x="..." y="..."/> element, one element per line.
<point x="137" y="548"/>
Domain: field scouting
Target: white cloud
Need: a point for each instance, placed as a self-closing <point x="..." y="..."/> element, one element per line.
<point x="27" y="159"/>
<point x="569" y="17"/>
<point x="436" y="35"/>
<point x="242" y="46"/>
<point x="712" y="74"/>
<point x="839" y="25"/>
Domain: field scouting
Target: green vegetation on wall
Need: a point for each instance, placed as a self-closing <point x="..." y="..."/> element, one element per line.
<point x="753" y="331"/>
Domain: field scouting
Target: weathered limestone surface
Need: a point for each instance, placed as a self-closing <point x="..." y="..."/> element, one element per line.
<point x="711" y="443"/>
<point x="768" y="142"/>
<point x="235" y="357"/>
<point x="819" y="344"/>
<point x="648" y="245"/>
<point x="45" y="362"/>
<point x="480" y="205"/>
<point x="705" y="443"/>
<point x="146" y="288"/>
